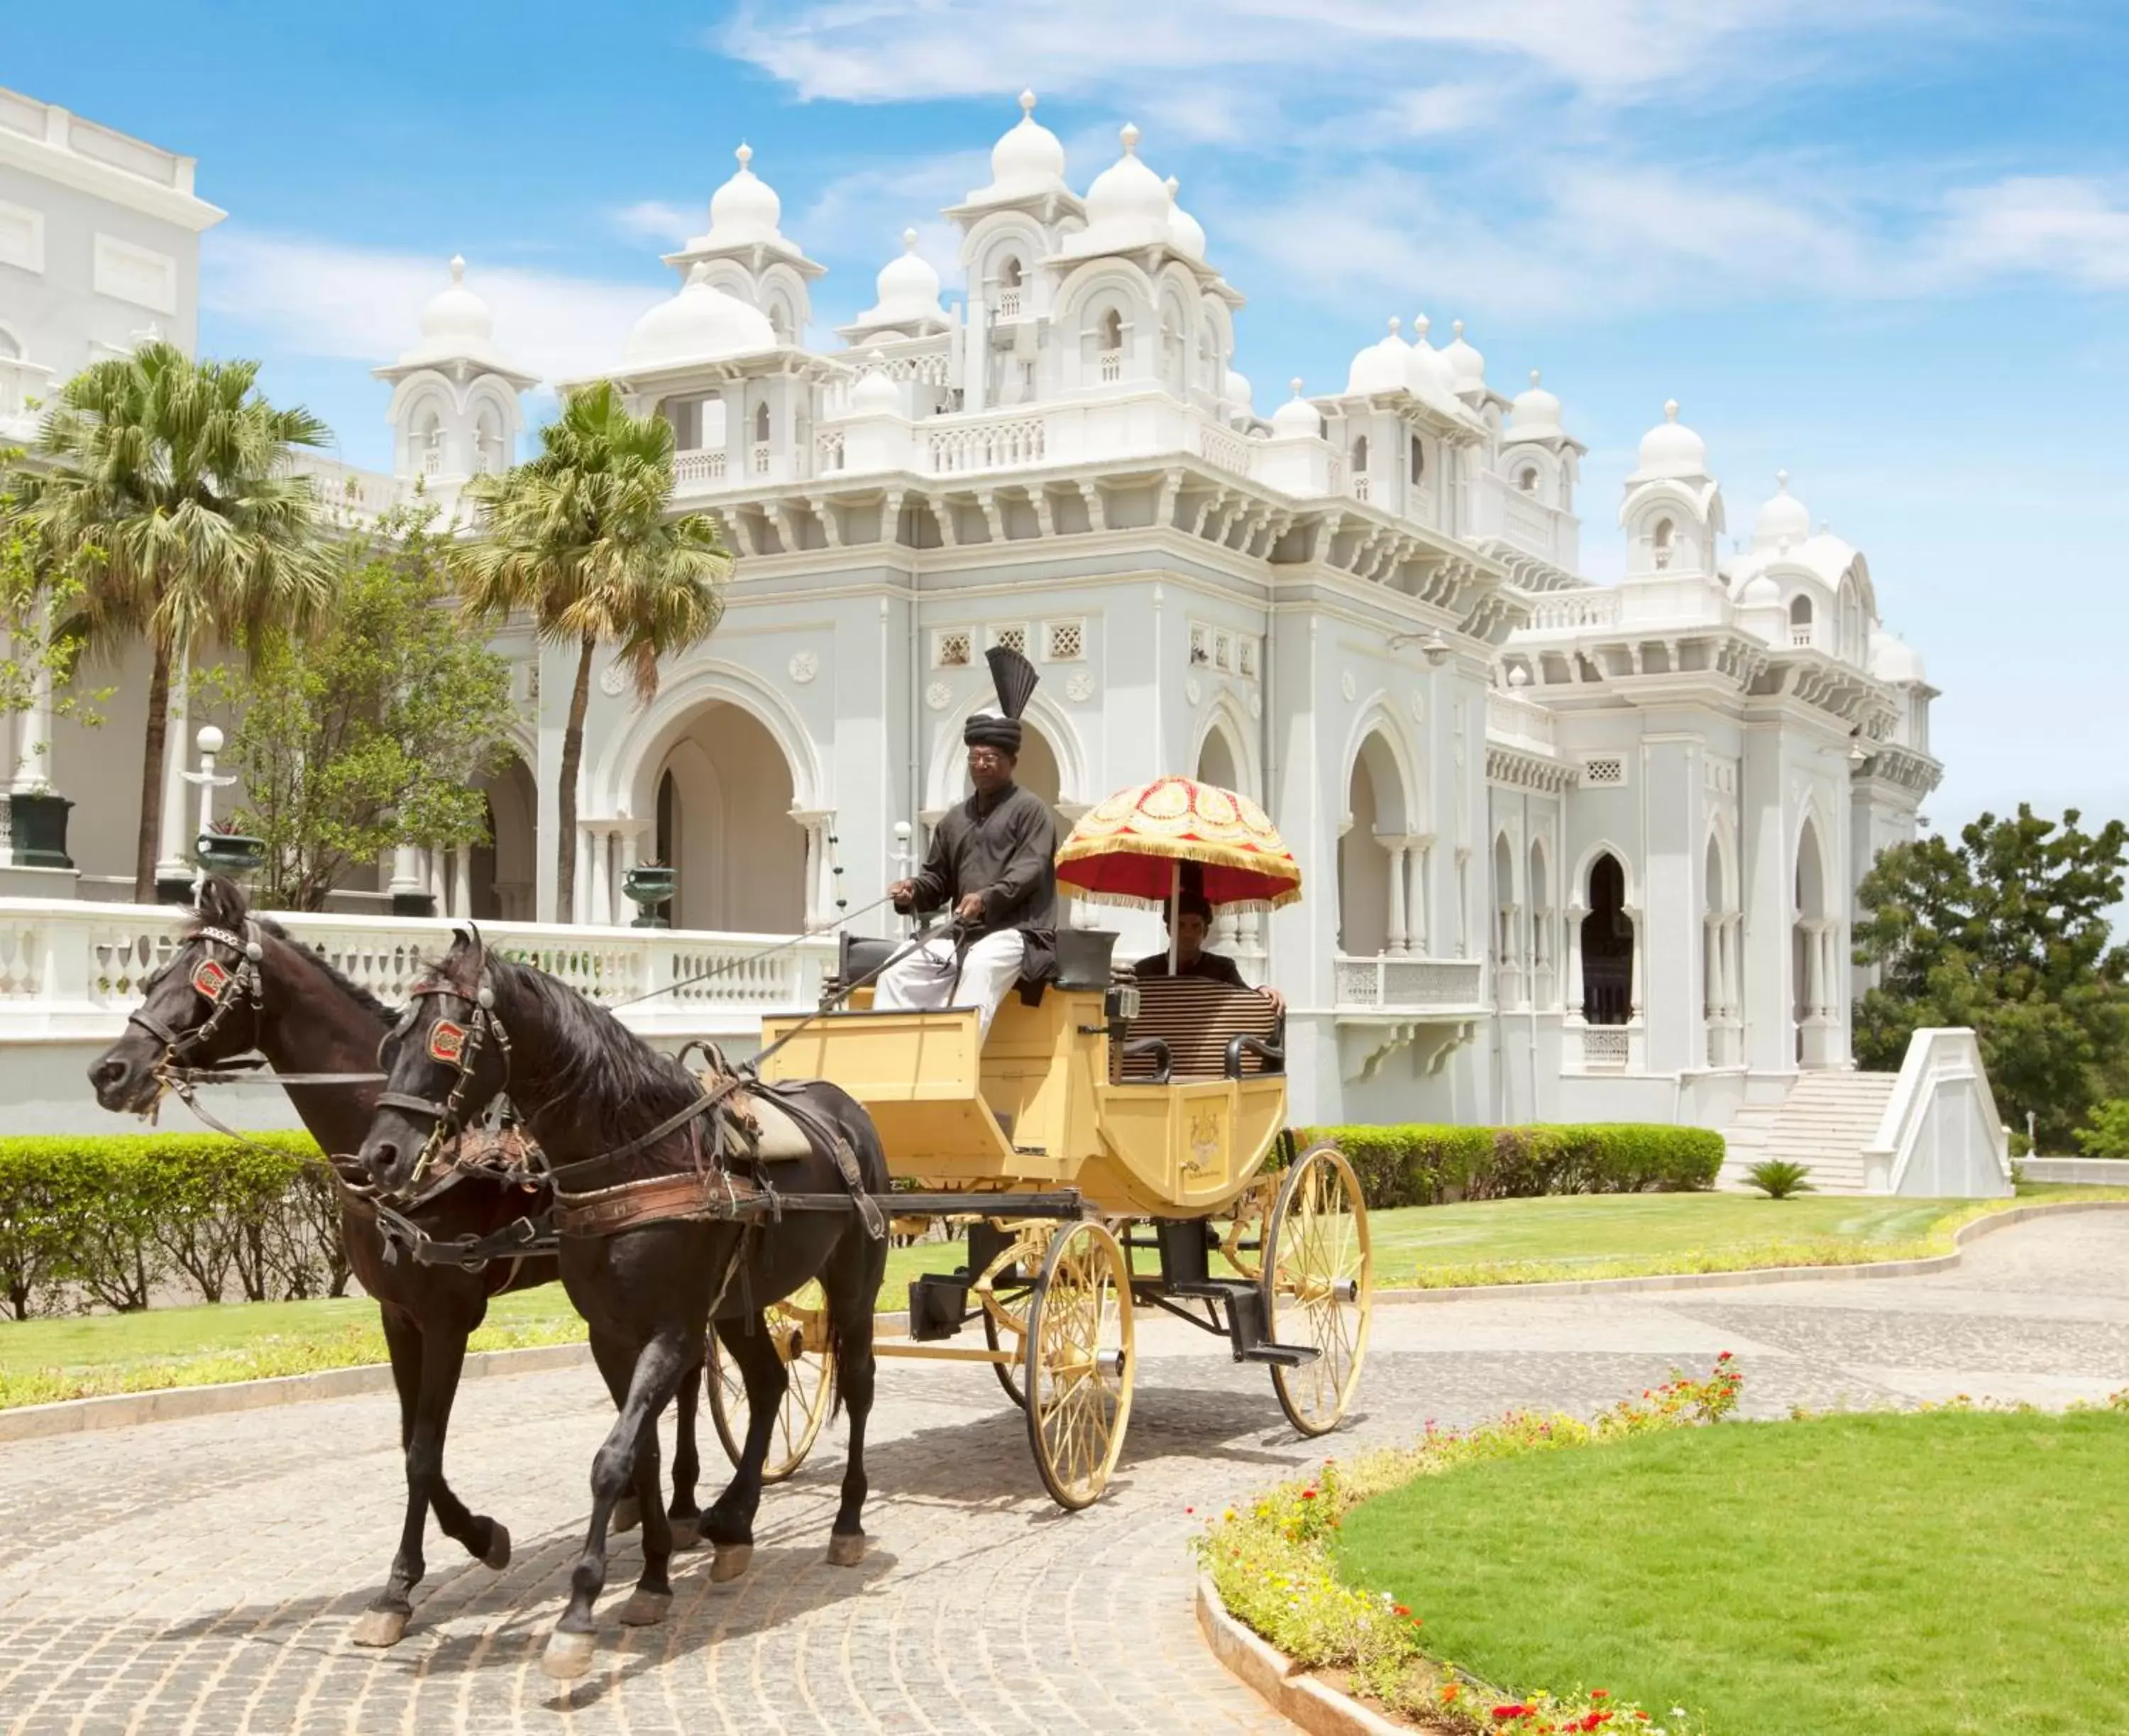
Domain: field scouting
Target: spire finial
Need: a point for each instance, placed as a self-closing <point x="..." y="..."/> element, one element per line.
<point x="1130" y="137"/>
<point x="1533" y="376"/>
<point x="1782" y="477"/>
<point x="1456" y="325"/>
<point x="457" y="268"/>
<point x="1396" y="325"/>
<point x="876" y="356"/>
<point x="1671" y="409"/>
<point x="1027" y="105"/>
<point x="1173" y="185"/>
<point x="745" y="155"/>
<point x="909" y="240"/>
<point x="1420" y="325"/>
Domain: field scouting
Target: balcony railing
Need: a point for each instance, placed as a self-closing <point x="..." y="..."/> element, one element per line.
<point x="1112" y="366"/>
<point x="1566" y="611"/>
<point x="1509" y="718"/>
<point x="23" y="386"/>
<point x="698" y="469"/>
<point x="1390" y="982"/>
<point x="994" y="443"/>
<point x="76" y="970"/>
<point x="1008" y="304"/>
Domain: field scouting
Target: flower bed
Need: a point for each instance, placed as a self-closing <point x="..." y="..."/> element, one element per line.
<point x="1271" y="1561"/>
<point x="1420" y="1165"/>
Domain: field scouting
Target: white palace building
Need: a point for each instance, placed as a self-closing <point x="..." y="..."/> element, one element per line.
<point x="1573" y="851"/>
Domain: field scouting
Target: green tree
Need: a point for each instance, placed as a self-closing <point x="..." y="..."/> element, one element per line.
<point x="371" y="728"/>
<point x="2008" y="931"/>
<point x="163" y="488"/>
<point x="579" y="539"/>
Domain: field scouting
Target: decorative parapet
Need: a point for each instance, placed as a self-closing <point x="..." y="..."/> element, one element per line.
<point x="1940" y="1137"/>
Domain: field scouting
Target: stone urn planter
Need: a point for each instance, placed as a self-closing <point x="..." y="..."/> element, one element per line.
<point x="649" y="888"/>
<point x="230" y="852"/>
<point x="37" y="824"/>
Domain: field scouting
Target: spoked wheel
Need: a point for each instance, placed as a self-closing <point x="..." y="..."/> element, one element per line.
<point x="799" y="1328"/>
<point x="1318" y="1286"/>
<point x="1015" y="1305"/>
<point x="1077" y="1363"/>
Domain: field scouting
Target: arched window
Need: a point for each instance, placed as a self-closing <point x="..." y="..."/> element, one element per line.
<point x="779" y="323"/>
<point x="1359" y="455"/>
<point x="491" y="456"/>
<point x="1418" y="460"/>
<point x="1800" y="611"/>
<point x="10" y="350"/>
<point x="1112" y="330"/>
<point x="761" y="424"/>
<point x="1009" y="275"/>
<point x="1527" y="481"/>
<point x="1608" y="946"/>
<point x="1662" y="541"/>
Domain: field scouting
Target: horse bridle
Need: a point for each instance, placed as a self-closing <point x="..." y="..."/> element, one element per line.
<point x="223" y="988"/>
<point x="458" y="1046"/>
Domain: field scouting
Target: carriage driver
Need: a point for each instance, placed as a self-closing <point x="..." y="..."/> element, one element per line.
<point x="992" y="862"/>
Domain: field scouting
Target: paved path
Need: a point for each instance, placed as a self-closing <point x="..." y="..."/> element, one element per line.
<point x="201" y="1575"/>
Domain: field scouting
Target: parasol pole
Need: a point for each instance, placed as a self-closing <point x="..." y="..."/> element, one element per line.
<point x="1174" y="908"/>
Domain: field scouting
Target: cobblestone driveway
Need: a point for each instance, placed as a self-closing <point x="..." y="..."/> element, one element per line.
<point x="201" y="1575"/>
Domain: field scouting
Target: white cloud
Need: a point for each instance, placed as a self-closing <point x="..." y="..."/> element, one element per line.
<point x="305" y="298"/>
<point x="659" y="223"/>
<point x="2061" y="226"/>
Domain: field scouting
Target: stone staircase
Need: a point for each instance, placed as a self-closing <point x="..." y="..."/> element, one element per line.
<point x="1823" y="1123"/>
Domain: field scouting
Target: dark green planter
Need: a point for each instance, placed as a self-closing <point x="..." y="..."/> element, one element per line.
<point x="230" y="852"/>
<point x="650" y="889"/>
<point x="38" y="825"/>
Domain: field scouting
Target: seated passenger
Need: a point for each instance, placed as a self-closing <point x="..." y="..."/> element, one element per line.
<point x="992" y="863"/>
<point x="1193" y="921"/>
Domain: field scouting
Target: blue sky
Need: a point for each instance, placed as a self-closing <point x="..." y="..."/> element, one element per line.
<point x="1885" y="246"/>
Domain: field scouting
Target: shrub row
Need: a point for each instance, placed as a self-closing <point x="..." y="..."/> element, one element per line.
<point x="115" y="1220"/>
<point x="1434" y="1166"/>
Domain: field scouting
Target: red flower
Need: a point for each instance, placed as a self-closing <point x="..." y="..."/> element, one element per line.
<point x="1189" y="1510"/>
<point x="1399" y="1610"/>
<point x="1725" y="1356"/>
<point x="1600" y="1693"/>
<point x="1308" y="1494"/>
<point x="1504" y="1714"/>
<point x="1451" y="1690"/>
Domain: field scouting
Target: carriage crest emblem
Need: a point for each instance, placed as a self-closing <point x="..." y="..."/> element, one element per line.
<point x="211" y="978"/>
<point x="447" y="1042"/>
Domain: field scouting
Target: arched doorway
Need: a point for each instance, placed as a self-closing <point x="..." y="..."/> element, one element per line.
<point x="723" y="824"/>
<point x="505" y="865"/>
<point x="1810" y="955"/>
<point x="1719" y="954"/>
<point x="1220" y="765"/>
<point x="1375" y="915"/>
<point x="1540" y="930"/>
<point x="1508" y="984"/>
<point x="1608" y="946"/>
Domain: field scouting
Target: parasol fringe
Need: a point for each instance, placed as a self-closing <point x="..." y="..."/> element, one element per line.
<point x="1190" y="850"/>
<point x="1131" y="901"/>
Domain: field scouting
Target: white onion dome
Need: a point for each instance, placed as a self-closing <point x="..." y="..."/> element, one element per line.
<point x="745" y="210"/>
<point x="1236" y="390"/>
<point x="1466" y="366"/>
<point x="875" y="394"/>
<point x="909" y="289"/>
<point x="1894" y="660"/>
<point x="1428" y="372"/>
<point x="1670" y="449"/>
<point x="1783" y="521"/>
<point x="1761" y="593"/>
<point x="1535" y="414"/>
<point x="454" y="315"/>
<point x="1382" y="367"/>
<point x="1028" y="158"/>
<point x="1186" y="235"/>
<point x="701" y="323"/>
<point x="1297" y="419"/>
<point x="1128" y="205"/>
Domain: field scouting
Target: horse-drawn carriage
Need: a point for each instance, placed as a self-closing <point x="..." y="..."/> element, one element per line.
<point x="1120" y="1144"/>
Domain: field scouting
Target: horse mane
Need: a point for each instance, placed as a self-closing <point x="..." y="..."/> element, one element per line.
<point x="339" y="978"/>
<point x="223" y="904"/>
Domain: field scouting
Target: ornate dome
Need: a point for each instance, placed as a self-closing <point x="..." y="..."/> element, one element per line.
<point x="1185" y="233"/>
<point x="1466" y="366"/>
<point x="745" y="210"/>
<point x="455" y="316"/>
<point x="1535" y="414"/>
<point x="1128" y="205"/>
<point x="874" y="393"/>
<point x="1427" y="371"/>
<point x="701" y="323"/>
<point x="1761" y="593"/>
<point x="1783" y="521"/>
<point x="908" y="288"/>
<point x="1892" y="660"/>
<point x="1297" y="419"/>
<point x="1027" y="159"/>
<point x="1237" y="391"/>
<point x="1670" y="449"/>
<point x="1382" y="367"/>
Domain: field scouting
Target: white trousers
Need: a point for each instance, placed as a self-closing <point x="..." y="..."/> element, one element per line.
<point x="923" y="982"/>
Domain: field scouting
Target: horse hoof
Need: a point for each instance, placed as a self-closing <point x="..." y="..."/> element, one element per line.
<point x="729" y="1562"/>
<point x="568" y="1656"/>
<point x="627" y="1515"/>
<point x="497" y="1553"/>
<point x="685" y="1536"/>
<point x="846" y="1548"/>
<point x="646" y="1608"/>
<point x="380" y="1627"/>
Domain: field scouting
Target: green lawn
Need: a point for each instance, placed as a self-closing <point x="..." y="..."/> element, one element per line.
<point x="1505" y="1241"/>
<point x="1946" y="1574"/>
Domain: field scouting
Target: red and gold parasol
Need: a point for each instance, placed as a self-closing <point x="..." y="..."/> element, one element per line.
<point x="1133" y="848"/>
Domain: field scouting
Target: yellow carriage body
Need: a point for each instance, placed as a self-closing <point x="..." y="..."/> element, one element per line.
<point x="1037" y="1105"/>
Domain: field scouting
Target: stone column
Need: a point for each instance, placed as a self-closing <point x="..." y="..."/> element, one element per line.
<point x="409" y="892"/>
<point x="581" y="904"/>
<point x="439" y="886"/>
<point x="33" y="729"/>
<point x="462" y="881"/>
<point x="1395" y="940"/>
<point x="170" y="865"/>
<point x="600" y="837"/>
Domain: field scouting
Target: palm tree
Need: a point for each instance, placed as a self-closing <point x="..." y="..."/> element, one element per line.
<point x="578" y="538"/>
<point x="163" y="488"/>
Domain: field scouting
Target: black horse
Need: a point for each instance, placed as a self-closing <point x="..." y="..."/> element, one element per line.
<point x="306" y="1020"/>
<point x="589" y="1089"/>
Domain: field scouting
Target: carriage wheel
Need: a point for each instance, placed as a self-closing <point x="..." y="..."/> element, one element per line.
<point x="1319" y="1286"/>
<point x="1077" y="1363"/>
<point x="798" y="1326"/>
<point x="1007" y="1373"/>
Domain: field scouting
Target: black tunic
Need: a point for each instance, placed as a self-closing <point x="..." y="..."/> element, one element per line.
<point x="1209" y="965"/>
<point x="1003" y="845"/>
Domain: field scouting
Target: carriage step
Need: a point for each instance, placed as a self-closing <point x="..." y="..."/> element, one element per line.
<point x="1281" y="1356"/>
<point x="1211" y="1289"/>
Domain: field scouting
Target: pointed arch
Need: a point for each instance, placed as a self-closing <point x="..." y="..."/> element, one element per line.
<point x="947" y="777"/>
<point x="621" y="779"/>
<point x="1226" y="723"/>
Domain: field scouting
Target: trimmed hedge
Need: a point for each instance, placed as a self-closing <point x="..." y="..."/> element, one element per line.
<point x="1434" y="1166"/>
<point x="114" y="1219"/>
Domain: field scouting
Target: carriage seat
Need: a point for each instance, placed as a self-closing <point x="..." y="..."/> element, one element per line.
<point x="1192" y="1027"/>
